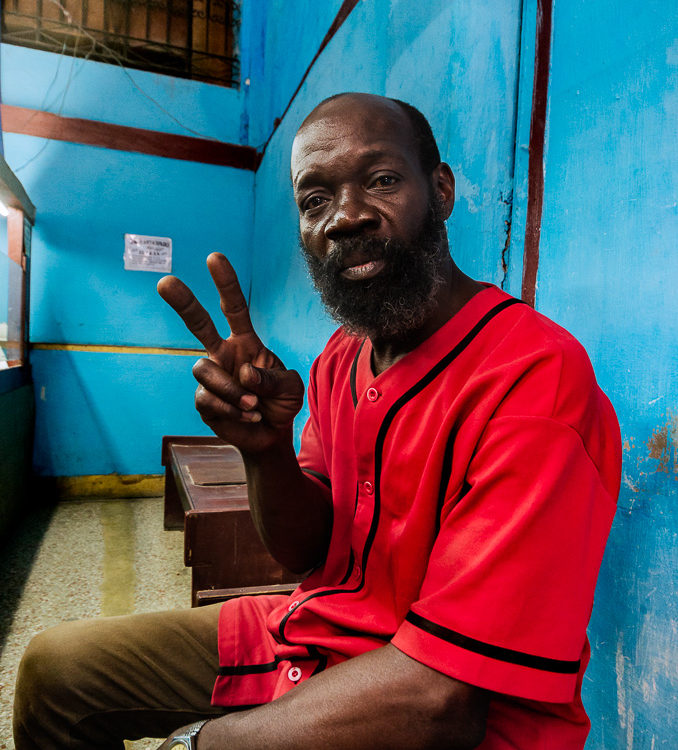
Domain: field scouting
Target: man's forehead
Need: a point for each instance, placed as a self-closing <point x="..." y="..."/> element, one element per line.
<point x="371" y="126"/>
<point x="351" y="114"/>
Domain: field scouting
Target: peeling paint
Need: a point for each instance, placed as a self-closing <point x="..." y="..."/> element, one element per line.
<point x="629" y="729"/>
<point x="628" y="483"/>
<point x="624" y="709"/>
<point x="505" y="253"/>
<point x="663" y="445"/>
<point x="465" y="189"/>
<point x="621" y="689"/>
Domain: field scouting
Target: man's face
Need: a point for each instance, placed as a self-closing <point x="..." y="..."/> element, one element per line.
<point x="370" y="224"/>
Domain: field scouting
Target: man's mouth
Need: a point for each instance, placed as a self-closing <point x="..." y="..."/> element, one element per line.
<point x="363" y="270"/>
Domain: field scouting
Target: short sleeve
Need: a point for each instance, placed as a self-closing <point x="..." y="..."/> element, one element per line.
<point x="509" y="586"/>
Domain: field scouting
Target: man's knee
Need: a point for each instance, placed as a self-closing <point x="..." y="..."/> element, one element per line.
<point x="40" y="667"/>
<point x="43" y="681"/>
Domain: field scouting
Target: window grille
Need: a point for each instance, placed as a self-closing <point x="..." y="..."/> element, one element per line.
<point x="185" y="38"/>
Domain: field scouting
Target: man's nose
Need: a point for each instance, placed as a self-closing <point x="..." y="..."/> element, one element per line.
<point x="352" y="213"/>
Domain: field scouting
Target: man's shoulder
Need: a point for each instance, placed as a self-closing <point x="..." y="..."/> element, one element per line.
<point x="530" y="333"/>
<point x="545" y="369"/>
<point x="546" y="338"/>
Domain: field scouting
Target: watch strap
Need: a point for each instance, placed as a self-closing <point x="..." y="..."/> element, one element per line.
<point x="190" y="733"/>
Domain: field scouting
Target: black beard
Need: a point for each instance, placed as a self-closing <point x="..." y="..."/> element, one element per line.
<point x="401" y="297"/>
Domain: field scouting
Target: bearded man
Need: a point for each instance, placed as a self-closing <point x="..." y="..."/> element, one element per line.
<point x="450" y="503"/>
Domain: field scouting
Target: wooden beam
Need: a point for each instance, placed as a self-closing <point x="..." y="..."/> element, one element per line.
<point x="535" y="170"/>
<point x="41" y="124"/>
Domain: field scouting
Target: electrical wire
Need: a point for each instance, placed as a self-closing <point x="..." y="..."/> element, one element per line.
<point x="95" y="43"/>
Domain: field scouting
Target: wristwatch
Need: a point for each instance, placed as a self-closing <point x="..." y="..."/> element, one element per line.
<point x="187" y="740"/>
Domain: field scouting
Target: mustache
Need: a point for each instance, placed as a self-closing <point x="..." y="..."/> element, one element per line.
<point x="355" y="250"/>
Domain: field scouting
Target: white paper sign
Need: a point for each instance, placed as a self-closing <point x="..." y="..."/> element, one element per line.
<point x="143" y="253"/>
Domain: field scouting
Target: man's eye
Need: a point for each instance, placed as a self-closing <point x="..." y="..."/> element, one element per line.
<point x="313" y="202"/>
<point x="385" y="180"/>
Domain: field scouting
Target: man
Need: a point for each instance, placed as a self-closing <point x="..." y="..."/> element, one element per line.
<point x="450" y="502"/>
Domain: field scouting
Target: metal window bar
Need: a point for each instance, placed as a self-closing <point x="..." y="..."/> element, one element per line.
<point x="184" y="38"/>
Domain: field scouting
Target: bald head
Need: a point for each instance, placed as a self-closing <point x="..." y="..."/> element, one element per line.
<point x="392" y="113"/>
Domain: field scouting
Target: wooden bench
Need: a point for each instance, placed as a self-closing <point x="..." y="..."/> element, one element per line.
<point x="212" y="596"/>
<point x="206" y="495"/>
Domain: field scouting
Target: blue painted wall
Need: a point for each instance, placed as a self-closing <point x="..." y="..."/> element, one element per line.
<point x="609" y="271"/>
<point x="98" y="91"/>
<point x="94" y="410"/>
<point x="281" y="39"/>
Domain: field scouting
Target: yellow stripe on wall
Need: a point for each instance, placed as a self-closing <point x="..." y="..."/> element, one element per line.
<point x="109" y="485"/>
<point x="118" y="349"/>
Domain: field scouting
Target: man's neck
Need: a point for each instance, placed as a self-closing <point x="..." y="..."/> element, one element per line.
<point x="457" y="290"/>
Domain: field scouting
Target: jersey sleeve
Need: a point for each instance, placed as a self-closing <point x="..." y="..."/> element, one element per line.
<point x="509" y="587"/>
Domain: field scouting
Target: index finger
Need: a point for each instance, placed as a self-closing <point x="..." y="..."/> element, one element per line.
<point x="233" y="302"/>
<point x="179" y="297"/>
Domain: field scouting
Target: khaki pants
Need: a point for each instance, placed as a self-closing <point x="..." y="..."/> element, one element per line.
<point x="91" y="684"/>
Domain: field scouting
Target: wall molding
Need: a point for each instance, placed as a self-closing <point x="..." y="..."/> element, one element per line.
<point x="104" y="486"/>
<point x="108" y="349"/>
<point x="35" y="122"/>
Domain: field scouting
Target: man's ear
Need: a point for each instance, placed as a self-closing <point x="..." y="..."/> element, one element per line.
<point x="443" y="185"/>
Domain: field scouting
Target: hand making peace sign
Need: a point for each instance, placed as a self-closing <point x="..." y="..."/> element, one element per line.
<point x="246" y="395"/>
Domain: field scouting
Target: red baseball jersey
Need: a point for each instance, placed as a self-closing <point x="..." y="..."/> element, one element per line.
<point x="474" y="483"/>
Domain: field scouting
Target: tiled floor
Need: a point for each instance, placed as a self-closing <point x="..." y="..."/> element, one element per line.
<point x="83" y="559"/>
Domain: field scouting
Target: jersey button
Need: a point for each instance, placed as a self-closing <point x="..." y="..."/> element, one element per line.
<point x="372" y="394"/>
<point x="368" y="487"/>
<point x="294" y="674"/>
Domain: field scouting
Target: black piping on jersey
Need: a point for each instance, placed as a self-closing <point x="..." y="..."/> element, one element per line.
<point x="352" y="376"/>
<point x="322" y="664"/>
<point x="543" y="663"/>
<point x="419" y="386"/>
<point x="446" y="474"/>
<point x="320" y="477"/>
<point x="351" y="559"/>
<point x="349" y="569"/>
<point x="445" y="480"/>
<point x="322" y="659"/>
<point x="244" y="669"/>
<point x="271" y="666"/>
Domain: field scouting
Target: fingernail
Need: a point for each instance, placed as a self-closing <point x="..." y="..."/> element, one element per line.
<point x="254" y="374"/>
<point x="251" y="416"/>
<point x="247" y="402"/>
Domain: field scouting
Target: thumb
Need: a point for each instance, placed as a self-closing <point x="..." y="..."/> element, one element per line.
<point x="270" y="383"/>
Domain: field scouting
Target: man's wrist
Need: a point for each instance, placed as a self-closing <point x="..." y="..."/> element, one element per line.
<point x="280" y="444"/>
<point x="187" y="739"/>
